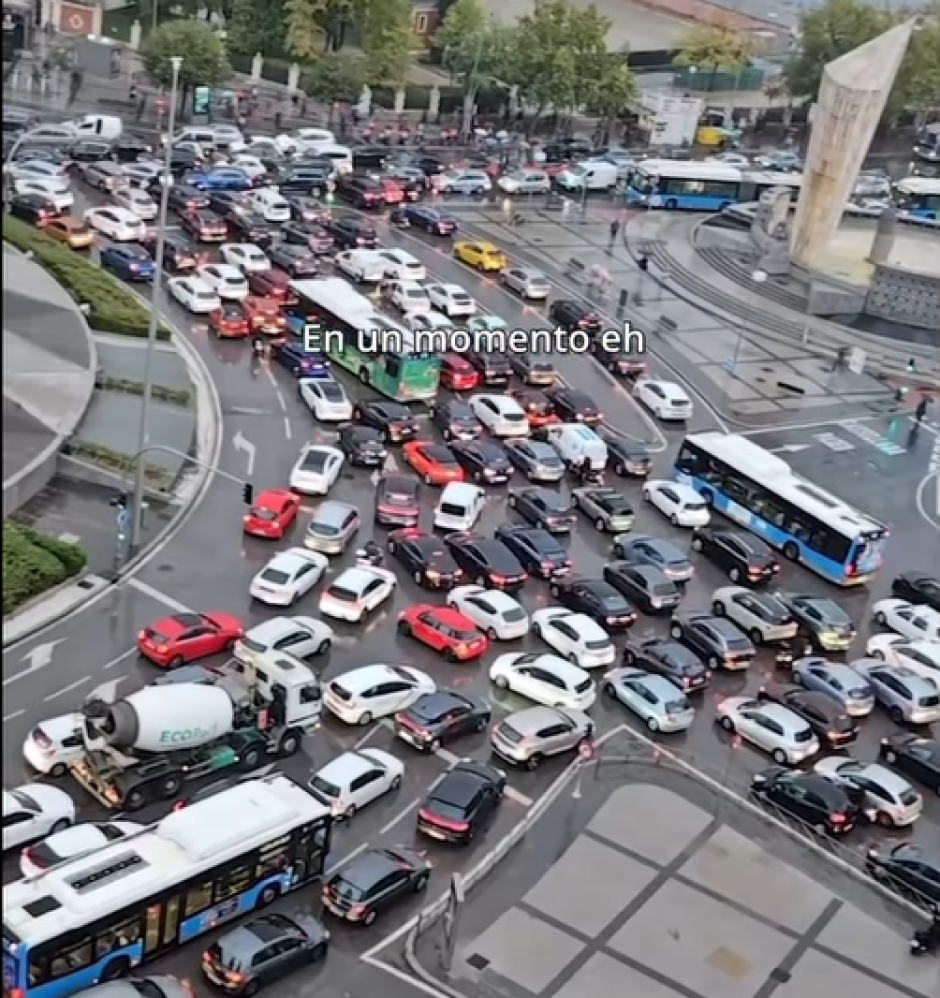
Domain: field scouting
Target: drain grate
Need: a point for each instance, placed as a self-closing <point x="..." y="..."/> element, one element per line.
<point x="478" y="961"/>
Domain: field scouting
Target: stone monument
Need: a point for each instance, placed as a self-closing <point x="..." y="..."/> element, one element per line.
<point x="770" y="230"/>
<point x="885" y="234"/>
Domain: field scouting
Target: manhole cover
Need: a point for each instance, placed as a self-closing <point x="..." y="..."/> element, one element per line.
<point x="477" y="961"/>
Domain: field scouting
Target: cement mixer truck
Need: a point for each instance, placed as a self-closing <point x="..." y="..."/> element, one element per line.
<point x="143" y="748"/>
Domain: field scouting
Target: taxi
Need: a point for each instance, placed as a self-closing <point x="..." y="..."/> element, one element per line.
<point x="271" y="514"/>
<point x="264" y="314"/>
<point x="71" y="231"/>
<point x="481" y="255"/>
<point x="230" y="321"/>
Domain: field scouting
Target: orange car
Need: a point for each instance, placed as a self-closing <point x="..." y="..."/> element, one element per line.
<point x="230" y="321"/>
<point x="71" y="231"/>
<point x="264" y="314"/>
<point x="434" y="462"/>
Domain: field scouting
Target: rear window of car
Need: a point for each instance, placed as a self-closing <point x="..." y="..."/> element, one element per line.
<point x="343" y="594"/>
<point x="584" y="686"/>
<point x="804" y="735"/>
<point x="598" y="644"/>
<point x="323" y="788"/>
<point x="340" y="691"/>
<point x="274" y="575"/>
<point x="452" y="509"/>
<point x="157" y="637"/>
<point x="514" y="614"/>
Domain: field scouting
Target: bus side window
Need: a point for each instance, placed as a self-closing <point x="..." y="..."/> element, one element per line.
<point x="771" y="512"/>
<point x="739" y="493"/>
<point x="38" y="971"/>
<point x="71" y="960"/>
<point x="121" y="935"/>
<point x="686" y="461"/>
<point x="233" y="882"/>
<point x="198" y="899"/>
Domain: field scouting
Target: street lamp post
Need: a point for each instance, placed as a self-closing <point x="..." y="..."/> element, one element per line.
<point x="140" y="476"/>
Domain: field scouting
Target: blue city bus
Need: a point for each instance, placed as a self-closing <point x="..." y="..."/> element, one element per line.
<point x="761" y="492"/>
<point x="919" y="197"/>
<point x="680" y="185"/>
<point x="97" y="916"/>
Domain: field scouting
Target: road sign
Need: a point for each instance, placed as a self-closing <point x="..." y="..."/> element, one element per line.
<point x="857" y="358"/>
<point x="586" y="750"/>
<point x="202" y="100"/>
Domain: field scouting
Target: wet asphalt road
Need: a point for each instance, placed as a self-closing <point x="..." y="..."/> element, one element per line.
<point x="210" y="563"/>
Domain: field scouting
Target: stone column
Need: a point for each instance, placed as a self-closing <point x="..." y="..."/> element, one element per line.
<point x="257" y="66"/>
<point x="293" y="77"/>
<point x="400" y="96"/>
<point x="434" y="103"/>
<point x="134" y="40"/>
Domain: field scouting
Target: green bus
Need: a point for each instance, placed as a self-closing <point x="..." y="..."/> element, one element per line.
<point x="334" y="319"/>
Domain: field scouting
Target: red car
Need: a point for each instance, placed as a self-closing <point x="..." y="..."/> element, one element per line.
<point x="271" y="514"/>
<point x="457" y="373"/>
<point x="537" y="406"/>
<point x="392" y="191"/>
<point x="272" y="283"/>
<point x="185" y="637"/>
<point x="264" y="314"/>
<point x="445" y="630"/>
<point x="435" y="463"/>
<point x="230" y="321"/>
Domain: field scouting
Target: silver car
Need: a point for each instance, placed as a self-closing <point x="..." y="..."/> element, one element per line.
<point x="526" y="282"/>
<point x="528" y="736"/>
<point x="606" y="508"/>
<point x="836" y="680"/>
<point x="537" y="460"/>
<point x="134" y="987"/>
<point x="105" y="176"/>
<point x="763" y="618"/>
<point x="332" y="527"/>
<point x="905" y="694"/>
<point x="465" y="182"/>
<point x="661" y="704"/>
<point x="888" y="798"/>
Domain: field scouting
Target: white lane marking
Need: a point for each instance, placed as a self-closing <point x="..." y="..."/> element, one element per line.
<point x="330" y="870"/>
<point x="370" y="734"/>
<point x="117" y="661"/>
<point x="405" y="811"/>
<point x="16" y="713"/>
<point x="402" y="976"/>
<point x="280" y="398"/>
<point x="68" y="689"/>
<point x="159" y="596"/>
<point x="287" y="429"/>
<point x="833" y="442"/>
<point x="38" y="657"/>
<point x="933" y="477"/>
<point x="793" y="427"/>
<point x="445" y="756"/>
<point x="518" y="797"/>
<point x="271" y="378"/>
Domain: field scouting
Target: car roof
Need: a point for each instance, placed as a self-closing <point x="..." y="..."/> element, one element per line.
<point x="459" y="492"/>
<point x="289" y="560"/>
<point x="787" y="719"/>
<point x="366" y="676"/>
<point x="345" y="768"/>
<point x="562" y="667"/>
<point x="332" y="512"/>
<point x="531" y="719"/>
<point x="356" y="578"/>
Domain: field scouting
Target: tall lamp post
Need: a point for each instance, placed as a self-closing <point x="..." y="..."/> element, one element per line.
<point x="140" y="472"/>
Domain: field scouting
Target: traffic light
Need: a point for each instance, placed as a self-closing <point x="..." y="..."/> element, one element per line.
<point x="248" y="493"/>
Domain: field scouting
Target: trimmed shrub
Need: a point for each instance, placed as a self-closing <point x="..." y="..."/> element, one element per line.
<point x="34" y="563"/>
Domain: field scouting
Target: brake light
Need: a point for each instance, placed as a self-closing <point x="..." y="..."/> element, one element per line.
<point x="30" y="854"/>
<point x="451" y="826"/>
<point x="838" y="818"/>
<point x="162" y="649"/>
<point x="234" y="976"/>
<point x="497" y="579"/>
<point x="462" y="649"/>
<point x="357" y="911"/>
<point x="548" y="565"/>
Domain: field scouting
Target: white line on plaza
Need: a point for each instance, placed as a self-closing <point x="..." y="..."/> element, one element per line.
<point x="405" y="811"/>
<point x="16" y="713"/>
<point x="922" y="505"/>
<point x="790" y="427"/>
<point x="69" y="688"/>
<point x="371" y="733"/>
<point x="447" y="756"/>
<point x="519" y="798"/>
<point x="402" y="976"/>
<point x="159" y="596"/>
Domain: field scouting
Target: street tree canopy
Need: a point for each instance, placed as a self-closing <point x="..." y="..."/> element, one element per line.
<point x="717" y="48"/>
<point x="201" y="49"/>
<point x="474" y="49"/>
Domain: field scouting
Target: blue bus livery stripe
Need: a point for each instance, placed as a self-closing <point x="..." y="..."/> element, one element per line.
<point x="233" y="907"/>
<point x="86" y="977"/>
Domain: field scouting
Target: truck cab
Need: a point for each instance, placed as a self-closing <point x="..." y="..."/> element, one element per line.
<point x="277" y="678"/>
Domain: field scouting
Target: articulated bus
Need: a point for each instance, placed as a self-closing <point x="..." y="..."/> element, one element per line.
<point x="691" y="186"/>
<point x="95" y="917"/>
<point x="918" y="197"/>
<point x="762" y="493"/>
<point x="359" y="338"/>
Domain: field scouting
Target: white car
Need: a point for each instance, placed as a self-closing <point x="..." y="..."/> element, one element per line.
<point x="665" y="399"/>
<point x="247" y="257"/>
<point x="889" y="799"/>
<point x="301" y="637"/>
<point x="501" y="415"/>
<point x="326" y="399"/>
<point x="250" y="164"/>
<point x="680" y="503"/>
<point x="226" y="281"/>
<point x="770" y="726"/>
<point x="361" y="265"/>
<point x="373" y="691"/>
<point x="139" y="202"/>
<point x="305" y="140"/>
<point x="194" y="295"/>
<point x="316" y="469"/>
<point x="451" y="299"/>
<point x="271" y="205"/>
<point x="354" y="779"/>
<point x="54" y="743"/>
<point x="918" y="623"/>
<point x="400" y="265"/>
<point x="922" y="657"/>
<point x="762" y="617"/>
<point x="496" y="613"/>
<point x="408" y="297"/>
<point x="39" y="169"/>
<point x="143" y="172"/>
<point x="434" y="322"/>
<point x="544" y="679"/>
<point x="33" y="811"/>
<point x="119" y="224"/>
<point x="729" y="159"/>
<point x="288" y="576"/>
<point x="72" y="843"/>
<point x="576" y="636"/>
<point x="55" y="191"/>
<point x="357" y="592"/>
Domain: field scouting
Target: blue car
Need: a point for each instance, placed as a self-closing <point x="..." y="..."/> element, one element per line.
<point x="222" y="178"/>
<point x="301" y="363"/>
<point x="432" y="220"/>
<point x="130" y="262"/>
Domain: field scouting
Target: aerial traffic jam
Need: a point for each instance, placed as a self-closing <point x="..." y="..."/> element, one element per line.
<point x="534" y="645"/>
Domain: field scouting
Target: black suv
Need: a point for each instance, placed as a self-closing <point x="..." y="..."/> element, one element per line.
<point x="810" y="797"/>
<point x="362" y="192"/>
<point x="596" y="598"/>
<point x="462" y="803"/>
<point x="571" y="314"/>
<point x="718" y="640"/>
<point x="392" y="419"/>
<point x="645" y="585"/>
<point x="351" y="233"/>
<point x="575" y="406"/>
<point x="312" y="180"/>
<point x="669" y="659"/>
<point x="746" y="559"/>
<point x="456" y="420"/>
<point x="494" y="368"/>
<point x="483" y="461"/>
<point x="362" y="445"/>
<point x="486" y="560"/>
<point x="425" y="558"/>
<point x="538" y="552"/>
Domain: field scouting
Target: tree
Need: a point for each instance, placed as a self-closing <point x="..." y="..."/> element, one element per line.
<point x="918" y="85"/>
<point x="337" y="77"/>
<point x="201" y="49"/>
<point x="387" y="36"/>
<point x="716" y="48"/>
<point x="614" y="87"/>
<point x="257" y="27"/>
<point x="316" y="26"/>
<point x="473" y="49"/>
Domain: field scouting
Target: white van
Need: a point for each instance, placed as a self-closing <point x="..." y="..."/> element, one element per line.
<point x="340" y="156"/>
<point x="575" y="442"/>
<point x="459" y="506"/>
<point x="202" y="136"/>
<point x="592" y="174"/>
<point x="102" y="126"/>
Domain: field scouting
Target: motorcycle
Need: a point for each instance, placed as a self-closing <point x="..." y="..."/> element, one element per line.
<point x="370" y="557"/>
<point x="786" y="655"/>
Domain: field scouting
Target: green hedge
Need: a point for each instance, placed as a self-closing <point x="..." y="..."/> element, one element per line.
<point x="34" y="562"/>
<point x="113" y="309"/>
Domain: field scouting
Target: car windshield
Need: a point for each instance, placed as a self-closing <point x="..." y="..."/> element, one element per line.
<point x="804" y="735"/>
<point x="323" y="788"/>
<point x="348" y="891"/>
<point x="584" y="685"/>
<point x="452" y="509"/>
<point x="514" y="614"/>
<point x="696" y="506"/>
<point x="24" y="800"/>
<point x="662" y="589"/>
<point x="597" y="644"/>
<point x="314" y="460"/>
<point x="323" y="529"/>
<point x="259" y="513"/>
<point x="678" y="706"/>
<point x="253" y="645"/>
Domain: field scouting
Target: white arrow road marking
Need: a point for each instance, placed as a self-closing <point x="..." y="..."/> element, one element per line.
<point x="790" y="448"/>
<point x="242" y="443"/>
<point x="38" y="658"/>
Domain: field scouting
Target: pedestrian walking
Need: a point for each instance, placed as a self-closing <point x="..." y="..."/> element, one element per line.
<point x="921" y="409"/>
<point x="614" y="230"/>
<point x="841" y="359"/>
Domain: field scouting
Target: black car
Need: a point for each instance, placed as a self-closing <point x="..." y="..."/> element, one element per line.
<point x="421" y="216"/>
<point x="627" y="458"/>
<point x="129" y="148"/>
<point x="425" y="557"/>
<point x="394" y="421"/>
<point x="544" y="508"/>
<point x="482" y="461"/>
<point x="352" y="233"/>
<point x="456" y="420"/>
<point x="226" y="202"/>
<point x="486" y="560"/>
<point x="263" y="950"/>
<point x="179" y="256"/>
<point x="373" y="882"/>
<point x="184" y="160"/>
<point x="33" y="208"/>
<point x="619" y="362"/>
<point x="183" y="197"/>
<point x="462" y="803"/>
<point x="494" y="368"/>
<point x="922" y="588"/>
<point x="204" y="226"/>
<point x="644" y="585"/>
<point x="643" y="549"/>
<point x="89" y="151"/>
<point x="440" y="717"/>
<point x="596" y="598"/>
<point x="310" y="235"/>
<point x="719" y="641"/>
<point x="315" y="180"/>
<point x="575" y="406"/>
<point x="532" y="368"/>
<point x="429" y="165"/>
<point x="251" y="227"/>
<point x="397" y="501"/>
<point x="810" y="797"/>
<point x="293" y="259"/>
<point x="370" y="158"/>
<point x="915" y="756"/>
<point x="570" y="314"/>
<point x="821" y="620"/>
<point x="539" y="553"/>
<point x="824" y="714"/>
<point x="909" y="870"/>
<point x="306" y="209"/>
<point x="363" y="446"/>
<point x="670" y="659"/>
<point x="745" y="558"/>
<point x="362" y="192"/>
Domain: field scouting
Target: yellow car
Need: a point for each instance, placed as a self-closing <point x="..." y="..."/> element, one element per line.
<point x="483" y="256"/>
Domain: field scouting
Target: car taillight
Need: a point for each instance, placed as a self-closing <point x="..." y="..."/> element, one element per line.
<point x="497" y="578"/>
<point x="162" y="649"/>
<point x="548" y="565"/>
<point x="30" y="854"/>
<point x="433" y="819"/>
<point x="462" y="649"/>
<point x="838" y="818"/>
<point x="357" y="911"/>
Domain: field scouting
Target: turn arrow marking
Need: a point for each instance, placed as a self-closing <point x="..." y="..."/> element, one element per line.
<point x="37" y="658"/>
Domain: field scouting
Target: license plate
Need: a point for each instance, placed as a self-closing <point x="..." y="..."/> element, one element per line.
<point x="335" y="908"/>
<point x="409" y="738"/>
<point x="434" y="833"/>
<point x="211" y="973"/>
